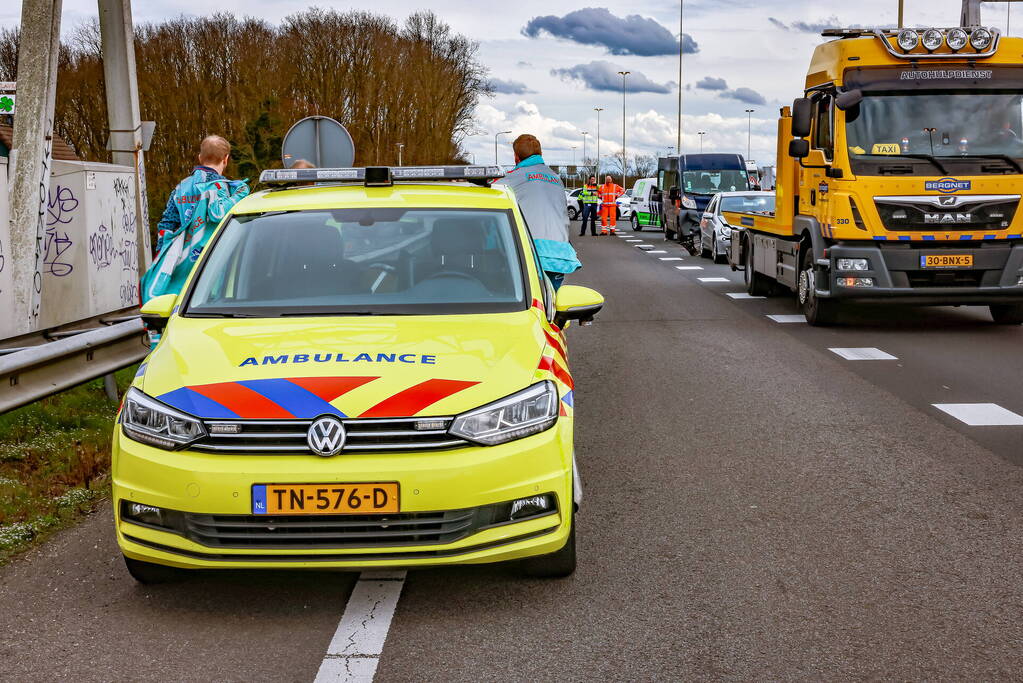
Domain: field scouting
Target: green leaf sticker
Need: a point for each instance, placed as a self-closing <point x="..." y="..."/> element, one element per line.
<point x="6" y="103"/>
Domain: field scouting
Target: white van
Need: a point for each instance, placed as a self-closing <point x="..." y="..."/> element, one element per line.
<point x="645" y="212"/>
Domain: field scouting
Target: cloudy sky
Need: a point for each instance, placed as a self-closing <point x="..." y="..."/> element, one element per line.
<point x="553" y="63"/>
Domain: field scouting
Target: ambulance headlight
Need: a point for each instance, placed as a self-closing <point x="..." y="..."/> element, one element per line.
<point x="522" y="414"/>
<point x="908" y="39"/>
<point x="981" y="39"/>
<point x="957" y="39"/>
<point x="933" y="39"/>
<point x="153" y="423"/>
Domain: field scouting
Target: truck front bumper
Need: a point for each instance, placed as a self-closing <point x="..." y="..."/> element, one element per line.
<point x="898" y="276"/>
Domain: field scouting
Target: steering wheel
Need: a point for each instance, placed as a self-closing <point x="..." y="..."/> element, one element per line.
<point x="454" y="274"/>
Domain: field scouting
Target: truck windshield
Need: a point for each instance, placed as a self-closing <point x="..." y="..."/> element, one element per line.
<point x="373" y="261"/>
<point x="976" y="132"/>
<point x="712" y="182"/>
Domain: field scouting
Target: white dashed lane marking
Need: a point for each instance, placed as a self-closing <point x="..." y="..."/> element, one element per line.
<point x="671" y="258"/>
<point x="689" y="267"/>
<point x="658" y="251"/>
<point x="788" y="318"/>
<point x="863" y="354"/>
<point x="713" y="279"/>
<point x="981" y="414"/>
<point x="354" y="652"/>
<point x="645" y="247"/>
<point x="743" y="295"/>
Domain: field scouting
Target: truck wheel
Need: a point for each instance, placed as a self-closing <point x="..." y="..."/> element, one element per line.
<point x="818" y="312"/>
<point x="148" y="573"/>
<point x="1007" y="314"/>
<point x="757" y="284"/>
<point x="556" y="565"/>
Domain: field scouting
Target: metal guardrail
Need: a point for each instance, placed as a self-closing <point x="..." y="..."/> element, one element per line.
<point x="28" y="374"/>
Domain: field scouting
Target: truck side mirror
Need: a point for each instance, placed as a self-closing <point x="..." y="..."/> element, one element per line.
<point x="799" y="148"/>
<point x="848" y="100"/>
<point x="802" y="117"/>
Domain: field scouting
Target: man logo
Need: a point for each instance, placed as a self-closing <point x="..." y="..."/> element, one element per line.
<point x="326" y="436"/>
<point x="949" y="200"/>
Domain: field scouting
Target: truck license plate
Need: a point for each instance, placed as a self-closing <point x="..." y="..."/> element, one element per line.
<point x="325" y="499"/>
<point x="947" y="261"/>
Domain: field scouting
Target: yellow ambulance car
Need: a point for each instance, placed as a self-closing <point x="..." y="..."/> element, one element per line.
<point x="366" y="369"/>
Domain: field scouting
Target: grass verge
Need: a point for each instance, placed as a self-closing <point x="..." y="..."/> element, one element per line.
<point x="54" y="462"/>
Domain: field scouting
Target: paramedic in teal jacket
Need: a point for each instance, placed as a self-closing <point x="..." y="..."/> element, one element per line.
<point x="541" y="198"/>
<point x="214" y="155"/>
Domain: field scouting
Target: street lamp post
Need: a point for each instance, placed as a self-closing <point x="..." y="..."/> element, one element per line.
<point x="625" y="158"/>
<point x="701" y="134"/>
<point x="749" y="133"/>
<point x="596" y="164"/>
<point x="401" y="146"/>
<point x="584" y="134"/>
<point x="681" y="49"/>
<point x="574" y="148"/>
<point x="497" y="135"/>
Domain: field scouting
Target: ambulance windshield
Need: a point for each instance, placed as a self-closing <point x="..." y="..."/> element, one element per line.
<point x="362" y="262"/>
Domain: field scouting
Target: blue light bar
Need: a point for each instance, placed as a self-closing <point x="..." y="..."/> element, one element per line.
<point x="290" y="176"/>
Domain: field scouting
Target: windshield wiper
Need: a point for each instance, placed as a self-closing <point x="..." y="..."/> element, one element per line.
<point x="1000" y="157"/>
<point x="922" y="157"/>
<point x="199" y="314"/>
<point x="320" y="314"/>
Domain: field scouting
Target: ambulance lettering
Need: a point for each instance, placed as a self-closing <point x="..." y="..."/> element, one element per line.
<point x="311" y="357"/>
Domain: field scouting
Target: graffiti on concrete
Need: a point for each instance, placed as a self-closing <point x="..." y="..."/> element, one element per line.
<point x="60" y="210"/>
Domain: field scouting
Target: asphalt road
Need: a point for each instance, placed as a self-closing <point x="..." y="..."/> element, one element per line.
<point x="756" y="507"/>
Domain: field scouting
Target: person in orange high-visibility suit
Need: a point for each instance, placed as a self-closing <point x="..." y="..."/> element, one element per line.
<point x="609" y="194"/>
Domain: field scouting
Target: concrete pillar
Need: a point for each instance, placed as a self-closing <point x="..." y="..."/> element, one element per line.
<point x="123" y="111"/>
<point x="32" y="158"/>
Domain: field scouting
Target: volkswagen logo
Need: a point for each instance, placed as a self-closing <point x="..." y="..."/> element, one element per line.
<point x="326" y="436"/>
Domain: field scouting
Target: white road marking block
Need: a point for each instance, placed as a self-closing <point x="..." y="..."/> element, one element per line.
<point x="788" y="318"/>
<point x="713" y="279"/>
<point x="659" y="251"/>
<point x="633" y="240"/>
<point x="671" y="258"/>
<point x="354" y="651"/>
<point x="743" y="295"/>
<point x="645" y="247"/>
<point x="689" y="267"/>
<point x="863" y="354"/>
<point x="981" y="414"/>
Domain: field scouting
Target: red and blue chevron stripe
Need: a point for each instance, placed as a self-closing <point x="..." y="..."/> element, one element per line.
<point x="301" y="398"/>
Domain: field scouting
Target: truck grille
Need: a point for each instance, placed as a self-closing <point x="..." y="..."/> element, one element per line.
<point x="274" y="437"/>
<point x="945" y="213"/>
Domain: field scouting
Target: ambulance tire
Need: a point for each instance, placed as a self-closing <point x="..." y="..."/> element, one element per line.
<point x="556" y="565"/>
<point x="636" y="227"/>
<point x="757" y="284"/>
<point x="149" y="574"/>
<point x="819" y="312"/>
<point x="1007" y="314"/>
<point x="573" y="213"/>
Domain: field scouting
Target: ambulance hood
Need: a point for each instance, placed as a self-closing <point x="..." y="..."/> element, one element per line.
<point x="363" y="367"/>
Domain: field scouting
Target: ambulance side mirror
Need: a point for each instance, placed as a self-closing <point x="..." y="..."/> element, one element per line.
<point x="158" y="310"/>
<point x="576" y="303"/>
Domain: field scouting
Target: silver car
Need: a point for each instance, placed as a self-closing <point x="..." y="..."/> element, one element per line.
<point x="715" y="232"/>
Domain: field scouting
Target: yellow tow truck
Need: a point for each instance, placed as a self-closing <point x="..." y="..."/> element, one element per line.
<point x="900" y="175"/>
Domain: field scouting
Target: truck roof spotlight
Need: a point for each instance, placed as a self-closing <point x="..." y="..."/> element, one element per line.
<point x="908" y="39"/>
<point x="981" y="39"/>
<point x="957" y="39"/>
<point x="933" y="39"/>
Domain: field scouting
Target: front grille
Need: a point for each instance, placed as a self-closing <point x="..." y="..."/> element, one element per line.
<point x="958" y="213"/>
<point x="337" y="532"/>
<point x="272" y="437"/>
<point x="316" y="531"/>
<point x="945" y="278"/>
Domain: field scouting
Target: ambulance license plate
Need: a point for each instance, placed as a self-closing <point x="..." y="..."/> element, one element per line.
<point x="947" y="261"/>
<point x="325" y="499"/>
